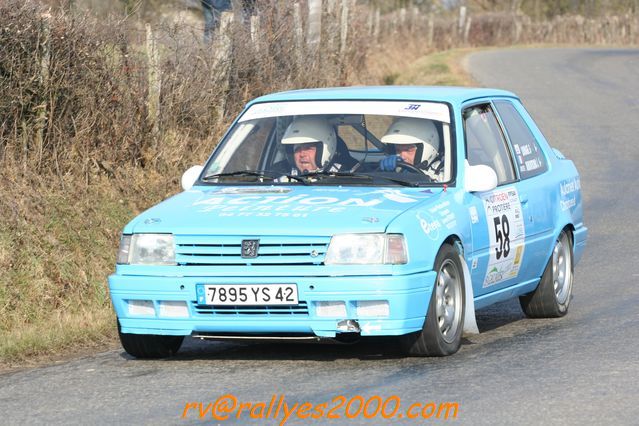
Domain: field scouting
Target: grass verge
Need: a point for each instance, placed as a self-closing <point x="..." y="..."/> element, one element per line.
<point x="58" y="241"/>
<point x="444" y="68"/>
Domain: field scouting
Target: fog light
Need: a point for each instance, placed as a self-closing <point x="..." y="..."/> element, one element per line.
<point x="141" y="307"/>
<point x="330" y="309"/>
<point x="173" y="309"/>
<point x="348" y="326"/>
<point x="372" y="308"/>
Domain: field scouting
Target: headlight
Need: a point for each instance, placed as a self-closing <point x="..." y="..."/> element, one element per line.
<point x="366" y="249"/>
<point x="147" y="249"/>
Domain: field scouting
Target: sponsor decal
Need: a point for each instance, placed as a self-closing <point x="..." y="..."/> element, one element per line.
<point x="518" y="254"/>
<point x="439" y="206"/>
<point x="442" y="211"/>
<point x="525" y="150"/>
<point x="567" y="204"/>
<point x="429" y="225"/>
<point x="396" y="195"/>
<point x="450" y="221"/>
<point x="431" y="110"/>
<point x="533" y="164"/>
<point x="568" y="191"/>
<point x="474" y="217"/>
<point x="506" y="235"/>
<point x="230" y="203"/>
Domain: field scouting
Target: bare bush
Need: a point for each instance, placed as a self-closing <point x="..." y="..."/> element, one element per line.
<point x="76" y="91"/>
<point x="71" y="90"/>
<point x="80" y="95"/>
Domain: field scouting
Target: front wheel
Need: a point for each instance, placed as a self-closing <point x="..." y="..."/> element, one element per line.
<point x="442" y="330"/>
<point x="150" y="345"/>
<point x="552" y="296"/>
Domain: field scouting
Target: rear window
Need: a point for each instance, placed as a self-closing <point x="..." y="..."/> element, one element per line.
<point x="529" y="156"/>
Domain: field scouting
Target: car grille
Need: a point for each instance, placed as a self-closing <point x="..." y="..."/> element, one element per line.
<point x="301" y="309"/>
<point x="272" y="251"/>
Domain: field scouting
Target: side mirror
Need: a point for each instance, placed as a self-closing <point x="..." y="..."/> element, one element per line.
<point x="480" y="178"/>
<point x="190" y="176"/>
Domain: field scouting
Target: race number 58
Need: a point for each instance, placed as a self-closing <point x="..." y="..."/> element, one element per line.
<point x="502" y="236"/>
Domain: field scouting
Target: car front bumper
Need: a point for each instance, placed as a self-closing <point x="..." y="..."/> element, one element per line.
<point x="407" y="297"/>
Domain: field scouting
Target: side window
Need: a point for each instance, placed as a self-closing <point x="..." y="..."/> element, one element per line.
<point x="530" y="158"/>
<point x="485" y="143"/>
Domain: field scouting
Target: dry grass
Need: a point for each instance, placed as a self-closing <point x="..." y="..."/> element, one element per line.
<point x="57" y="246"/>
<point x="438" y="69"/>
<point x="66" y="334"/>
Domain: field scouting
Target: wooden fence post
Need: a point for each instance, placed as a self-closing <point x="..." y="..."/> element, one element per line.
<point x="45" y="61"/>
<point x="255" y="32"/>
<point x="414" y="20"/>
<point x="153" y="83"/>
<point x="314" y="34"/>
<point x="462" y="21"/>
<point x="344" y="27"/>
<point x="467" y="29"/>
<point x="298" y="29"/>
<point x="431" y="29"/>
<point x="329" y="58"/>
<point x="222" y="60"/>
<point x="378" y="25"/>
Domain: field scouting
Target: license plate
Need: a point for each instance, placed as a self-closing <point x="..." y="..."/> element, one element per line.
<point x="248" y="294"/>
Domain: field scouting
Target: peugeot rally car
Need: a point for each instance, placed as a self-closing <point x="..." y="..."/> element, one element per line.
<point x="354" y="212"/>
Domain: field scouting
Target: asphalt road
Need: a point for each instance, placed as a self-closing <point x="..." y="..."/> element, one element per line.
<point x="583" y="368"/>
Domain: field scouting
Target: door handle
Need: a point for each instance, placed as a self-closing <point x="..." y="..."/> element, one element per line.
<point x="523" y="198"/>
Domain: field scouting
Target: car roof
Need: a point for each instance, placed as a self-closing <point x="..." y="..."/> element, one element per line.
<point x="453" y="95"/>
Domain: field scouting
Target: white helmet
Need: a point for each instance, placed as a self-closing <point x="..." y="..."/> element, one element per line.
<point x="417" y="131"/>
<point x="312" y="129"/>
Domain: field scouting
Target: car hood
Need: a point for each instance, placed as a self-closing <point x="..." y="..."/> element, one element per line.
<point x="278" y="210"/>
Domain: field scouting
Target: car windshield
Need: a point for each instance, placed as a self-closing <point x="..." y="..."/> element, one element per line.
<point x="336" y="143"/>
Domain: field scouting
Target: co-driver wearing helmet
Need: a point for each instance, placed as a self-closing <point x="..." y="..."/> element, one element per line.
<point x="416" y="142"/>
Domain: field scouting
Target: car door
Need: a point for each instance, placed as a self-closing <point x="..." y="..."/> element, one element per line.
<point x="535" y="187"/>
<point x="498" y="222"/>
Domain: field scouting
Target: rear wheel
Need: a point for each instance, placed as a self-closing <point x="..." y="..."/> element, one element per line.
<point x="150" y="345"/>
<point x="552" y="296"/>
<point x="442" y="330"/>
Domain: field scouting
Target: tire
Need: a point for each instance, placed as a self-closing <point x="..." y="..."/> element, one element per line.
<point x="442" y="330"/>
<point x="150" y="345"/>
<point x="552" y="296"/>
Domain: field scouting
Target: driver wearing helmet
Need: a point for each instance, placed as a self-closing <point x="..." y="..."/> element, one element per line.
<point x="416" y="143"/>
<point x="313" y="146"/>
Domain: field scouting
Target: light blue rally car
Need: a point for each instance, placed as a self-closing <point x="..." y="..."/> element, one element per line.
<point x="354" y="212"/>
